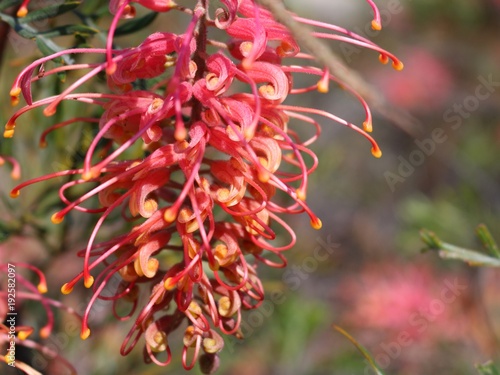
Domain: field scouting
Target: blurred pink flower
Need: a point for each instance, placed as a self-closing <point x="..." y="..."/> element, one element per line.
<point x="405" y="298"/>
<point x="425" y="86"/>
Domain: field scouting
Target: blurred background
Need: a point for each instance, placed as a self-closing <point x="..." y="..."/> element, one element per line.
<point x="364" y="270"/>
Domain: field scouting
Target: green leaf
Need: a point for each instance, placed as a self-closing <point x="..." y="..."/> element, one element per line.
<point x="135" y="24"/>
<point x="487" y="240"/>
<point x="4" y="4"/>
<point x="49" y="11"/>
<point x="361" y="349"/>
<point x="80" y="30"/>
<point x="473" y="258"/>
<point x="4" y="232"/>
<point x="487" y="368"/>
<point x="48" y="47"/>
<point x="430" y="239"/>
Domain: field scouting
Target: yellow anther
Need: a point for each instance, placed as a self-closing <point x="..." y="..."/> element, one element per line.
<point x="88" y="282"/>
<point x="22" y="12"/>
<point x="377" y="152"/>
<point x="8" y="133"/>
<point x="56" y="219"/>
<point x="66" y="289"/>
<point x="398" y="65"/>
<point x="42" y="288"/>
<point x="169" y="284"/>
<point x="384" y="59"/>
<point x="85" y="334"/>
<point x="316" y="223"/>
<point x="376" y="25"/>
<point x="23" y="335"/>
<point x="367" y="126"/>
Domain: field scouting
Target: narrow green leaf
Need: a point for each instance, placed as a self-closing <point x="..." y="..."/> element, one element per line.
<point x="49" y="11"/>
<point x="4" y="4"/>
<point x="81" y="30"/>
<point x="48" y="47"/>
<point x="135" y="24"/>
<point x="487" y="240"/>
<point x="361" y="349"/>
<point x="430" y="239"/>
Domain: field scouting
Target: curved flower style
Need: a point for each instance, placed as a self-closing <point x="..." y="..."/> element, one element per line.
<point x="220" y="166"/>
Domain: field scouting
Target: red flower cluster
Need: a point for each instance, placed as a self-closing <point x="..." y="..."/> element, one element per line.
<point x="217" y="153"/>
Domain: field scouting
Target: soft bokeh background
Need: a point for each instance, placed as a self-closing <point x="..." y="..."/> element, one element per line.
<point x="416" y="313"/>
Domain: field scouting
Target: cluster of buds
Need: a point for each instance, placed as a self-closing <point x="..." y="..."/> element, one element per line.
<point x="220" y="165"/>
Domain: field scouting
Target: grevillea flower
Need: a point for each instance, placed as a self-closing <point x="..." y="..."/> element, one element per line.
<point x="221" y="164"/>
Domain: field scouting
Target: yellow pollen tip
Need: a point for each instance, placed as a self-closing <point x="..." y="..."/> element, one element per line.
<point x="42" y="144"/>
<point x="66" y="289"/>
<point x="322" y="87"/>
<point x="42" y="288"/>
<point x="111" y="68"/>
<point x="15" y="175"/>
<point x="249" y="134"/>
<point x="169" y="284"/>
<point x="15" y="91"/>
<point x="376" y="25"/>
<point x="22" y="12"/>
<point x="384" y="59"/>
<point x="247" y="64"/>
<point x="170" y="215"/>
<point x="377" y="152"/>
<point x="15" y="193"/>
<point x="214" y="267"/>
<point x="87" y="175"/>
<point x="264" y="176"/>
<point x="56" y="219"/>
<point x="49" y="111"/>
<point x="23" y="335"/>
<point x="180" y="134"/>
<point x="8" y="133"/>
<point x="88" y="282"/>
<point x="301" y="194"/>
<point x="398" y="65"/>
<point x="367" y="126"/>
<point x="45" y="332"/>
<point x="316" y="223"/>
<point x="14" y="100"/>
<point x="84" y="335"/>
